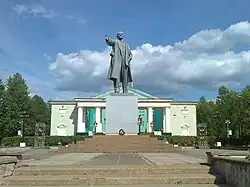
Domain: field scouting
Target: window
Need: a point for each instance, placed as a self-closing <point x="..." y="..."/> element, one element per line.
<point x="185" y="130"/>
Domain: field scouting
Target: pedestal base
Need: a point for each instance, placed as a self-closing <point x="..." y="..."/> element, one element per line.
<point x="121" y="113"/>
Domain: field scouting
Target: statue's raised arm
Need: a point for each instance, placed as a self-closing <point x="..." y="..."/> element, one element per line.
<point x="109" y="41"/>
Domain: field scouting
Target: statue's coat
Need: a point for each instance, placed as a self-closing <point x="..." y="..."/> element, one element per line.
<point x="120" y="53"/>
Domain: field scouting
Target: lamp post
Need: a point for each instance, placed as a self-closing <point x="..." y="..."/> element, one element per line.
<point x="229" y="132"/>
<point x="23" y="115"/>
<point x="95" y="125"/>
<point x="139" y="124"/>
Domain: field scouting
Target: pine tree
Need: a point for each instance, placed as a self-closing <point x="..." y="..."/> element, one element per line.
<point x="2" y="110"/>
<point x="17" y="102"/>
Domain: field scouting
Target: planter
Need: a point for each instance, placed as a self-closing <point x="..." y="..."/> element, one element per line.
<point x="235" y="170"/>
<point x="209" y="158"/>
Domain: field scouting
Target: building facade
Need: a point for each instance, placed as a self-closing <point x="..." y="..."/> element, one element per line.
<point x="82" y="115"/>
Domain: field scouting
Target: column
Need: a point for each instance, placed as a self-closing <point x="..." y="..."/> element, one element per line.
<point x="167" y="115"/>
<point x="150" y="119"/>
<point x="164" y="121"/>
<point x="98" y="120"/>
<point x="80" y="123"/>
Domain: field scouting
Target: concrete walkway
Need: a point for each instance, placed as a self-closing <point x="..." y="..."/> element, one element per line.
<point x="88" y="159"/>
<point x="171" y="159"/>
<point x="157" y="185"/>
<point x="63" y="159"/>
<point x="95" y="159"/>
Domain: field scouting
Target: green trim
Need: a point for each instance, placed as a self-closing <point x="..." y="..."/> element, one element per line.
<point x="91" y="112"/>
<point x="141" y="93"/>
<point x="158" y="119"/>
<point x="104" y="95"/>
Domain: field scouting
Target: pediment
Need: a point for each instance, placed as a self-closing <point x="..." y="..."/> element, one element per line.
<point x="138" y="93"/>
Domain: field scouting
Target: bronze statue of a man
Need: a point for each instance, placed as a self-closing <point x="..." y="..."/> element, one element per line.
<point x="119" y="69"/>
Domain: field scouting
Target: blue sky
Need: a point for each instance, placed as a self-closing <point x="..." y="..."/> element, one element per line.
<point x="182" y="49"/>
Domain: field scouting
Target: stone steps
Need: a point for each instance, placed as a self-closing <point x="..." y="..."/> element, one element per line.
<point x="66" y="180"/>
<point x="112" y="171"/>
<point x="119" y="144"/>
<point x="93" y="150"/>
<point x="146" y="175"/>
<point x="155" y="185"/>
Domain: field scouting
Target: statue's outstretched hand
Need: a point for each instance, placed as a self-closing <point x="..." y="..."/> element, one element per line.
<point x="106" y="37"/>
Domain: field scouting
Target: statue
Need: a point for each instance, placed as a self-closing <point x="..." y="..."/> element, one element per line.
<point x="119" y="69"/>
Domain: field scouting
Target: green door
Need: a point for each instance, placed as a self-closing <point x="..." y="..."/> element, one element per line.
<point x="158" y="119"/>
<point x="143" y="114"/>
<point x="103" y="121"/>
<point x="90" y="116"/>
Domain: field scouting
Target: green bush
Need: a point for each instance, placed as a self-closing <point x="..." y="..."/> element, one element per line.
<point x="64" y="140"/>
<point x="211" y="141"/>
<point x="145" y="133"/>
<point x="49" y="141"/>
<point x="15" y="141"/>
<point x="181" y="140"/>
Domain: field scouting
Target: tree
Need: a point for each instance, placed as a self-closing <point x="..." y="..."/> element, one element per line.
<point x="17" y="102"/>
<point x="222" y="112"/>
<point x="2" y="109"/>
<point x="244" y="128"/>
<point x="205" y="112"/>
<point x="39" y="112"/>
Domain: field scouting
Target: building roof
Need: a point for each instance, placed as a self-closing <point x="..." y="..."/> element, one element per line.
<point x="138" y="93"/>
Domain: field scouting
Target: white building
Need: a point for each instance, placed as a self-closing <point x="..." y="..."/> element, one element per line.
<point x="81" y="115"/>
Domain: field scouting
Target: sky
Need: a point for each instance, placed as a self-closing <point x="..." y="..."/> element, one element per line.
<point x="181" y="49"/>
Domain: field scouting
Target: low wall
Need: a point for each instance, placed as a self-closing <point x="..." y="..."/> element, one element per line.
<point x="236" y="171"/>
<point x="7" y="166"/>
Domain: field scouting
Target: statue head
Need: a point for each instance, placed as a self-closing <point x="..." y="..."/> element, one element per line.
<point x="120" y="35"/>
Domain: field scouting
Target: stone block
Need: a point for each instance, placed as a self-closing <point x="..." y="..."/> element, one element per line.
<point x="121" y="113"/>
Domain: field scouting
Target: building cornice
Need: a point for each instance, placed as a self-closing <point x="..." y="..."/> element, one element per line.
<point x="69" y="102"/>
<point x="184" y="102"/>
<point x="90" y="100"/>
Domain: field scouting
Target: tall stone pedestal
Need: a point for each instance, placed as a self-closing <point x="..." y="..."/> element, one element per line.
<point x="121" y="113"/>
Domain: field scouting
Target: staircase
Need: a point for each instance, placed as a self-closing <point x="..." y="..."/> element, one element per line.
<point x="119" y="144"/>
<point x="144" y="176"/>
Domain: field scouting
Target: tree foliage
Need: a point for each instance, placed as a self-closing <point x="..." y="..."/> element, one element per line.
<point x="15" y="101"/>
<point x="18" y="107"/>
<point x="229" y="105"/>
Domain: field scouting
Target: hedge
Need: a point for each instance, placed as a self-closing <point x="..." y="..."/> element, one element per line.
<point x="194" y="140"/>
<point x="49" y="140"/>
<point x="181" y="140"/>
<point x="241" y="141"/>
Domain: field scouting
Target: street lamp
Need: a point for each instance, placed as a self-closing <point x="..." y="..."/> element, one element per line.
<point x="23" y="115"/>
<point x="229" y="132"/>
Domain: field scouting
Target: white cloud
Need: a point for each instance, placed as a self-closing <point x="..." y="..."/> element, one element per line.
<point x="35" y="10"/>
<point x="206" y="60"/>
<point x="47" y="57"/>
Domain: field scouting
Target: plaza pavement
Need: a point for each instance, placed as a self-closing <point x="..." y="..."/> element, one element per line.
<point x="40" y="157"/>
